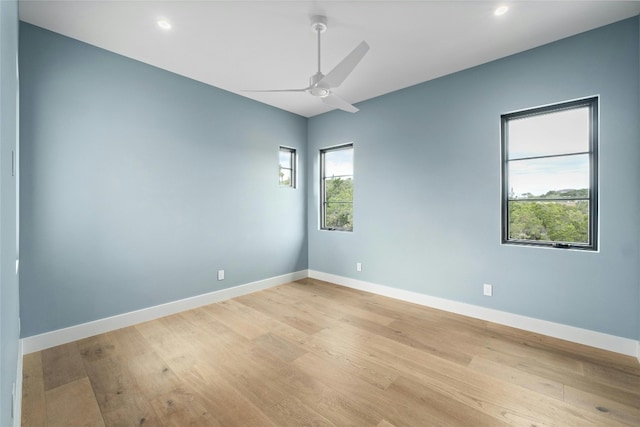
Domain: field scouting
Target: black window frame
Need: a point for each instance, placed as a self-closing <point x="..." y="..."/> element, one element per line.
<point x="294" y="158"/>
<point x="323" y="201"/>
<point x="593" y="234"/>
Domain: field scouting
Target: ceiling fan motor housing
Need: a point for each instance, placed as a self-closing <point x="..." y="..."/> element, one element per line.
<point x="316" y="90"/>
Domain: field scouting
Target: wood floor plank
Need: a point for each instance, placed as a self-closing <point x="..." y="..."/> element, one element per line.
<point x="502" y="400"/>
<point x="315" y="353"/>
<point x="338" y="348"/>
<point x="622" y="378"/>
<point x="401" y="309"/>
<point x="349" y="399"/>
<point x="33" y="400"/>
<point x="291" y="315"/>
<point x="248" y="313"/>
<point x="559" y="374"/>
<point x="163" y="340"/>
<point x="292" y="411"/>
<point x="120" y="399"/>
<point x="62" y="365"/>
<point x="96" y="348"/>
<point x="339" y="409"/>
<point x="570" y="350"/>
<point x="179" y="407"/>
<point x="435" y="408"/>
<point x="601" y="405"/>
<point x="235" y="321"/>
<point x="368" y="399"/>
<point x="204" y="395"/>
<point x="128" y="342"/>
<point x="224" y="402"/>
<point x="337" y="292"/>
<point x="73" y="404"/>
<point x="331" y="308"/>
<point x="523" y="351"/>
<point x="206" y="386"/>
<point x="279" y="346"/>
<point x="257" y="381"/>
<point x="514" y="376"/>
<point x="406" y="336"/>
<point x="240" y="364"/>
<point x="506" y="402"/>
<point x="136" y="413"/>
<point x="451" y="344"/>
<point x="153" y="375"/>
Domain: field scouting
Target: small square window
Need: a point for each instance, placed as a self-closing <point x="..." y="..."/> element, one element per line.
<point x="287" y="167"/>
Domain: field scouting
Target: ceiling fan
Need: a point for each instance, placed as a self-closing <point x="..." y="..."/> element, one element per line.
<point x="321" y="85"/>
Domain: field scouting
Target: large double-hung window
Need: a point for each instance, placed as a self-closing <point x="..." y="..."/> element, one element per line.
<point x="550" y="176"/>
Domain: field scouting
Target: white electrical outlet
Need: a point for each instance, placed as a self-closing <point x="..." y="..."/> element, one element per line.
<point x="358" y="266"/>
<point x="220" y="274"/>
<point x="487" y="290"/>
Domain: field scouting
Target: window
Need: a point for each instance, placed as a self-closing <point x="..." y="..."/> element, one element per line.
<point x="287" y="167"/>
<point x="550" y="176"/>
<point x="336" y="188"/>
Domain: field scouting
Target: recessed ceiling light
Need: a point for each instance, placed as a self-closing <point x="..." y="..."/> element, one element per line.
<point x="501" y="10"/>
<point x="164" y="24"/>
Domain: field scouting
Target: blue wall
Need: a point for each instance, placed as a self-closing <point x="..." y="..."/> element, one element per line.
<point x="9" y="305"/>
<point x="427" y="187"/>
<point x="138" y="185"/>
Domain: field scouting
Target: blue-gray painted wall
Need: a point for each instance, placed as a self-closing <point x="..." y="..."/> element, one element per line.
<point x="138" y="185"/>
<point x="427" y="187"/>
<point x="9" y="305"/>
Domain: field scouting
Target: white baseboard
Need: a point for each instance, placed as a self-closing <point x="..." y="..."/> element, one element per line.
<point x="600" y="340"/>
<point x="17" y="397"/>
<point x="613" y="343"/>
<point x="62" y="336"/>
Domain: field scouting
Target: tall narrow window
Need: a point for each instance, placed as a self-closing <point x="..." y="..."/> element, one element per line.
<point x="550" y="176"/>
<point x="336" y="188"/>
<point x="287" y="167"/>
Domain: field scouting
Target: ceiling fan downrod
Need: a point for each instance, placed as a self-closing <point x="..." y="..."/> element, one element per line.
<point x="319" y="25"/>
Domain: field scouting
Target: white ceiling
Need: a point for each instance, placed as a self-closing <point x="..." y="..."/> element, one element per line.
<point x="240" y="45"/>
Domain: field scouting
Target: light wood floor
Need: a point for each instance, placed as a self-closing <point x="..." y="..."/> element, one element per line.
<point x="311" y="353"/>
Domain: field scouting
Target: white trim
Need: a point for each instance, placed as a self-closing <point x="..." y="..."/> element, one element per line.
<point x="570" y="333"/>
<point x="600" y="340"/>
<point x="17" y="403"/>
<point x="73" y="333"/>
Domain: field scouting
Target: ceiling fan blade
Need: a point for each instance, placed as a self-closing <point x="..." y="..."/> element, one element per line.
<point x="278" y="90"/>
<point x="341" y="71"/>
<point x="337" y="102"/>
